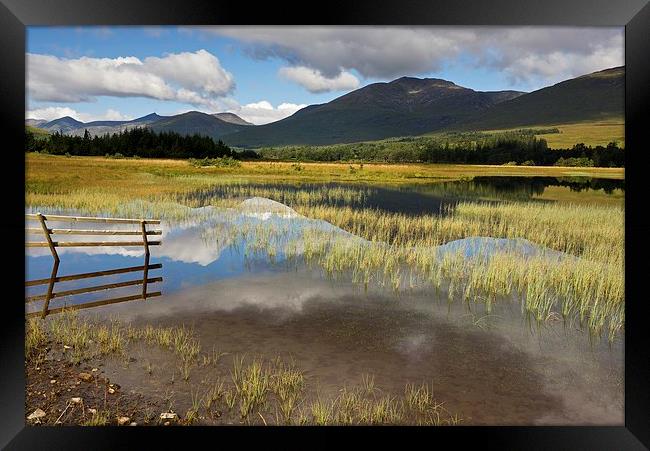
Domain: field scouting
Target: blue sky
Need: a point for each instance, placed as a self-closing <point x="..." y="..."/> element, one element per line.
<point x="266" y="73"/>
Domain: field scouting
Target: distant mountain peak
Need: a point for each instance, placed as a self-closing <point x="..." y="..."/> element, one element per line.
<point x="148" y="117"/>
<point x="67" y="119"/>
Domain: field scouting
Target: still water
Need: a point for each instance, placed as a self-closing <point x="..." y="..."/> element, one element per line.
<point x="243" y="298"/>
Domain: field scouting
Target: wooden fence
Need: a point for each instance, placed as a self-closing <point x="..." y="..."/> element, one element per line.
<point x="47" y="232"/>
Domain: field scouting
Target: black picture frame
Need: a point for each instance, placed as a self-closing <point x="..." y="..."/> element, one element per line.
<point x="15" y="15"/>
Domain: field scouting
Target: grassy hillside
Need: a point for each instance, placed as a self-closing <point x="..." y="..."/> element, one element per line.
<point x="595" y="97"/>
<point x="591" y="133"/>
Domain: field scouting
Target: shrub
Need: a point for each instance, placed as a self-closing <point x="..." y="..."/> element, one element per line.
<point x="575" y="162"/>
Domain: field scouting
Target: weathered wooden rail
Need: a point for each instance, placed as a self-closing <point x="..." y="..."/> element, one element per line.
<point x="47" y="233"/>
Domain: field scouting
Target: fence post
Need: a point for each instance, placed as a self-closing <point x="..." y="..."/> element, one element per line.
<point x="145" y="274"/>
<point x="55" y="267"/>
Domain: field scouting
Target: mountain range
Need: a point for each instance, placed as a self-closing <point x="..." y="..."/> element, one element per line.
<point x="406" y="106"/>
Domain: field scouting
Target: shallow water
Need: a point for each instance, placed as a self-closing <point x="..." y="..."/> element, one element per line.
<point x="429" y="198"/>
<point x="491" y="369"/>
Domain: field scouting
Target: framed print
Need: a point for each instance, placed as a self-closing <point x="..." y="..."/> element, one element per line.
<point x="417" y="218"/>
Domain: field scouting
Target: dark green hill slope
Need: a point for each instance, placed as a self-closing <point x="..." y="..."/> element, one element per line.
<point x="406" y="106"/>
<point x="595" y="96"/>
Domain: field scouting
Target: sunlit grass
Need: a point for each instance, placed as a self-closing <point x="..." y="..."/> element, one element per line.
<point x="587" y="289"/>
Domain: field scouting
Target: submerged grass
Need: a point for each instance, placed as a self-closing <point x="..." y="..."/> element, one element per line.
<point x="587" y="287"/>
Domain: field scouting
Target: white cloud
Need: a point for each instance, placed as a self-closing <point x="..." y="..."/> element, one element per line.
<point x="55" y="112"/>
<point x="196" y="78"/>
<point x="114" y="115"/>
<point x="314" y="81"/>
<point x="538" y="55"/>
<point x="263" y="112"/>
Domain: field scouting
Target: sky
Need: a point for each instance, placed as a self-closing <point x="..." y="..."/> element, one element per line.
<point x="266" y="73"/>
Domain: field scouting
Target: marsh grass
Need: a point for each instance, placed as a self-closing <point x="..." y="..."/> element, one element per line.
<point x="587" y="290"/>
<point x="83" y="338"/>
<point x="252" y="384"/>
<point x="192" y="413"/>
<point x="288" y="384"/>
<point x="257" y="386"/>
<point x="322" y="412"/>
<point x="214" y="394"/>
<point x="584" y="285"/>
<point x="100" y="418"/>
<point x="35" y="336"/>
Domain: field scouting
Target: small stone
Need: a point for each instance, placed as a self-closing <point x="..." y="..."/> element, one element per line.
<point x="169" y="416"/>
<point x="94" y="370"/>
<point x="166" y="423"/>
<point x="92" y="411"/>
<point x="67" y="347"/>
<point x="75" y="400"/>
<point x="85" y="377"/>
<point x="53" y="381"/>
<point x="133" y="424"/>
<point x="123" y="420"/>
<point x="111" y="390"/>
<point x="36" y="414"/>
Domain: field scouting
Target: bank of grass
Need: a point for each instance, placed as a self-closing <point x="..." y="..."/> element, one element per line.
<point x="259" y="391"/>
<point x="586" y="294"/>
<point x="593" y="232"/>
<point x="590" y="133"/>
<point x="398" y="251"/>
<point x="589" y="289"/>
<point x="141" y="187"/>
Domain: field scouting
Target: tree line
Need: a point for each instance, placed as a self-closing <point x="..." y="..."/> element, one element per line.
<point x="498" y="149"/>
<point x="136" y="142"/>
<point x="472" y="148"/>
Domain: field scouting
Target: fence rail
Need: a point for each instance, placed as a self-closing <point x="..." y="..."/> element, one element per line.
<point x="108" y="272"/>
<point x="32" y="230"/>
<point x="47" y="232"/>
<point x="37" y="216"/>
<point x="89" y="243"/>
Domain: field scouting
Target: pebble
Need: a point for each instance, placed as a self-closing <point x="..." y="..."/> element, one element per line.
<point x="169" y="416"/>
<point x="92" y="411"/>
<point x="123" y="420"/>
<point x="85" y="377"/>
<point x="133" y="424"/>
<point x="94" y="370"/>
<point x="36" y="414"/>
<point x="76" y="400"/>
<point x="111" y="390"/>
<point x="53" y="381"/>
